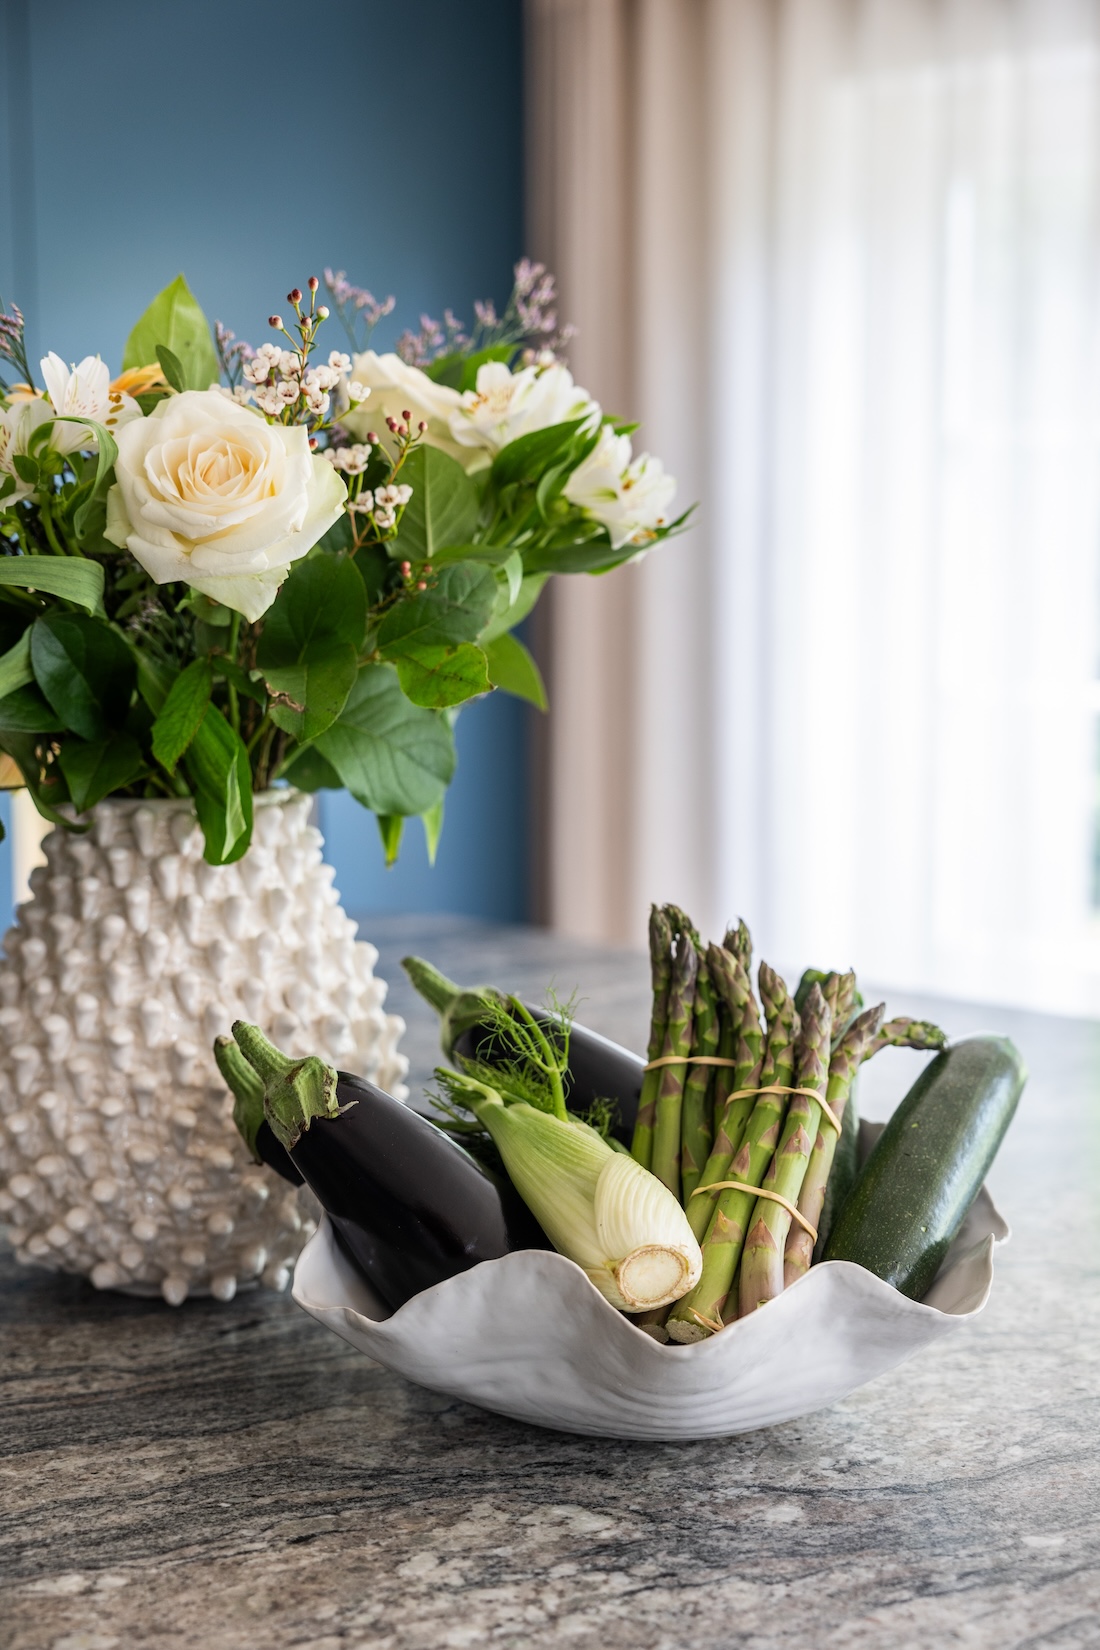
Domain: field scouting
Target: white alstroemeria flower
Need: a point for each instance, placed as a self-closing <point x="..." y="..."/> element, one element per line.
<point x="209" y="493"/>
<point x="83" y="391"/>
<point x="506" y="405"/>
<point x="390" y="388"/>
<point x="17" y="424"/>
<point x="629" y="496"/>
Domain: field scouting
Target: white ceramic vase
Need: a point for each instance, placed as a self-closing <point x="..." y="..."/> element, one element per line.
<point x="118" y="1156"/>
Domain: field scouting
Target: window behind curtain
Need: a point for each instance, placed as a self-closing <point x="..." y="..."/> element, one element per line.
<point x="934" y="671"/>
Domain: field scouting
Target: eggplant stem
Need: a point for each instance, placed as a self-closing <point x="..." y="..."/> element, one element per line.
<point x="247" y="1089"/>
<point x="264" y="1058"/>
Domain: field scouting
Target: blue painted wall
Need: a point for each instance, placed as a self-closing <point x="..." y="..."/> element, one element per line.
<point x="240" y="142"/>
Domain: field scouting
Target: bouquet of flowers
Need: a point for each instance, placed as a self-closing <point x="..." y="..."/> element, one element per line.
<point x="228" y="567"/>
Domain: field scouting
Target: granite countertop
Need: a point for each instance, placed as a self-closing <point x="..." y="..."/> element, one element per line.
<point x="233" y="1477"/>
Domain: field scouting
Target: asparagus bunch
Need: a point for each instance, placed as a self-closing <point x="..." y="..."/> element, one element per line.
<point x="762" y="1262"/>
<point x="700" y="1313"/>
<point x="735" y="989"/>
<point x="731" y="1119"/>
<point x="853" y="1047"/>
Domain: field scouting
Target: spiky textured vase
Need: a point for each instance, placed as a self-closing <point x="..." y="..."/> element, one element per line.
<point x="118" y="1155"/>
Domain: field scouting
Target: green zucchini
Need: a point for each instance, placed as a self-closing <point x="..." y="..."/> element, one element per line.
<point x="928" y="1164"/>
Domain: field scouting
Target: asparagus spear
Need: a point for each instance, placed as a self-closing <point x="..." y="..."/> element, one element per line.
<point x="728" y="1211"/>
<point x="735" y="989"/>
<point x="660" y="964"/>
<point x="906" y="1033"/>
<point x="725" y="1236"/>
<point x="665" y="1161"/>
<point x="843" y="1065"/>
<point x="842" y="1175"/>
<point x="738" y="942"/>
<point x="848" y="1000"/>
<point x="696" y="1119"/>
<point x="762" y="1259"/>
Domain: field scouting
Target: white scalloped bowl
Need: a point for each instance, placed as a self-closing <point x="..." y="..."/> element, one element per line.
<point x="530" y="1337"/>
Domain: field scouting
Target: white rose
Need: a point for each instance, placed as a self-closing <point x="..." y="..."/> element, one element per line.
<point x="208" y="493"/>
<point x="17" y="424"/>
<point x="393" y="388"/>
<point x="506" y="405"/>
<point x="629" y="496"/>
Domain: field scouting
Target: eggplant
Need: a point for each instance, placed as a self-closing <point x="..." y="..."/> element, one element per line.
<point x="409" y="1206"/>
<point x="598" y="1069"/>
<point x="269" y="1151"/>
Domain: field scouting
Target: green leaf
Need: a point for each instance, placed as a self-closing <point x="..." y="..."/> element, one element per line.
<point x="309" y="771"/>
<point x="324" y="599"/>
<point x="459" y="371"/>
<point x="318" y="686"/>
<point x="391" y="755"/>
<point x="512" y="570"/>
<point x="175" y="320"/>
<point x="171" y="367"/>
<point x="339" y="537"/>
<point x="443" y="509"/>
<point x="7" y="485"/>
<point x="15" y="665"/>
<point x="494" y="555"/>
<point x="181" y="714"/>
<point x="26" y="468"/>
<point x="86" y="671"/>
<point x="512" y="668"/>
<point x="46" y="792"/>
<point x="26" y="711"/>
<point x="217" y="764"/>
<point x="86" y="517"/>
<point x="432" y="821"/>
<point x="72" y="578"/>
<point x="441" y="676"/>
<point x="94" y="771"/>
<point x="528" y="456"/>
<point x="153" y="679"/>
<point x="454" y="608"/>
<point x="390" y="829"/>
<point x="593" y="555"/>
<point x="506" y="615"/>
<point x="375" y="569"/>
<point x="244" y="683"/>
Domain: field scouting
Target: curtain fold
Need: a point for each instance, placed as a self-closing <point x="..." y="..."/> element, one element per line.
<point x="842" y="259"/>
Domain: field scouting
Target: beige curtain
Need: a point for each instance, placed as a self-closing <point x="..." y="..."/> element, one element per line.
<point x="842" y="259"/>
<point x="621" y="134"/>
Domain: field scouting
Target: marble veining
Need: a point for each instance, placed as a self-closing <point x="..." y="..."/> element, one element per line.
<point x="231" y="1475"/>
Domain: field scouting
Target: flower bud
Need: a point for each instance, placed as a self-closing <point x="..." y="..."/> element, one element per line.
<point x="422" y="426"/>
<point x="322" y="313"/>
<point x="275" y="321"/>
<point x="314" y="283"/>
<point x="294" y="296"/>
<point x="372" y="438"/>
<point x="406" y="415"/>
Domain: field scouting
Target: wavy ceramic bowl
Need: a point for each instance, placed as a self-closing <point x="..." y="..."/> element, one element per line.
<point x="530" y="1337"/>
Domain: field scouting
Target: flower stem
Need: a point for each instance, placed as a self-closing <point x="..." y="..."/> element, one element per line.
<point x="233" y="649"/>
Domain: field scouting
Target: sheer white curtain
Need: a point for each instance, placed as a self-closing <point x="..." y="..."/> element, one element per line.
<point x="843" y="259"/>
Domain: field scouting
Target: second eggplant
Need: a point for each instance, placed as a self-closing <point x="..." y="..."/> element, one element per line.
<point x="598" y="1069"/>
<point x="408" y="1205"/>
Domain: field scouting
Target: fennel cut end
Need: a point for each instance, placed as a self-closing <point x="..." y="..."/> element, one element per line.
<point x="654" y="1275"/>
